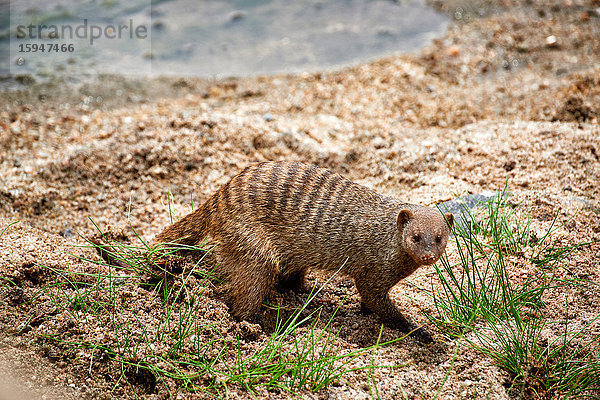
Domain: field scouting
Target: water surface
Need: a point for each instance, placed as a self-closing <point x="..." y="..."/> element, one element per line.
<point x="213" y="38"/>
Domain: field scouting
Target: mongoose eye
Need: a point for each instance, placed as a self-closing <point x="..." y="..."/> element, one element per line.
<point x="416" y="238"/>
<point x="438" y="239"/>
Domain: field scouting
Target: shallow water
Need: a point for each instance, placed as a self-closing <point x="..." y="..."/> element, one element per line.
<point x="209" y="38"/>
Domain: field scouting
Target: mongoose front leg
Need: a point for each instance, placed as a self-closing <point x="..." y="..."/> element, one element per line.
<point x="377" y="299"/>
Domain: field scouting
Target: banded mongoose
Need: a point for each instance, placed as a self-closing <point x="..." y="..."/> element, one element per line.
<point x="275" y="220"/>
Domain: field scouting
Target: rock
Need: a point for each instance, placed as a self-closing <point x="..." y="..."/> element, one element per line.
<point x="268" y="117"/>
<point x="551" y="41"/>
<point x="509" y="165"/>
<point x="157" y="170"/>
<point x="453" y="51"/>
<point x="67" y="233"/>
<point x="23" y="328"/>
<point x="158" y="26"/>
<point x="463" y="208"/>
<point x="236" y="15"/>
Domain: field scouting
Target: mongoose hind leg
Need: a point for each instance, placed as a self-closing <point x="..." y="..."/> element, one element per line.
<point x="249" y="281"/>
<point x="378" y="300"/>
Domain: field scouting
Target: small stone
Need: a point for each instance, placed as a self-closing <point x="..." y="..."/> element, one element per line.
<point x="237" y="15"/>
<point x="158" y="26"/>
<point x="268" y="117"/>
<point x="585" y="16"/>
<point x="157" y="170"/>
<point x="453" y="51"/>
<point x="67" y="233"/>
<point x="551" y="41"/>
<point x="509" y="165"/>
<point x="23" y="328"/>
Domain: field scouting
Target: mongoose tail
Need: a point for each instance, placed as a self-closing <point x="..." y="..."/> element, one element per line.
<point x="189" y="230"/>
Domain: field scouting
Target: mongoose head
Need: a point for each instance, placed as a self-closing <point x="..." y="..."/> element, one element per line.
<point x="424" y="233"/>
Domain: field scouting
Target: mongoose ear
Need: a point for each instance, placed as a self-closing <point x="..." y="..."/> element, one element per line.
<point x="449" y="219"/>
<point x="403" y="217"/>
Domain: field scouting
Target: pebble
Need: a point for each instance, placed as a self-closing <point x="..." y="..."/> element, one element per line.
<point x="509" y="165"/>
<point x="158" y="25"/>
<point x="237" y="15"/>
<point x="551" y="41"/>
<point x="157" y="170"/>
<point x="453" y="51"/>
<point x="67" y="233"/>
<point x="268" y="117"/>
<point x="23" y="328"/>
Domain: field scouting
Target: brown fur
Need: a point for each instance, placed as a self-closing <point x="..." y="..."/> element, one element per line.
<point x="275" y="220"/>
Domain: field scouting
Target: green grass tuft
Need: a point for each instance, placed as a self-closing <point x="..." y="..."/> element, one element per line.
<point x="176" y="347"/>
<point x="502" y="316"/>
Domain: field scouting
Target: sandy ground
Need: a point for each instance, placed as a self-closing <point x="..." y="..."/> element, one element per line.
<point x="510" y="94"/>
